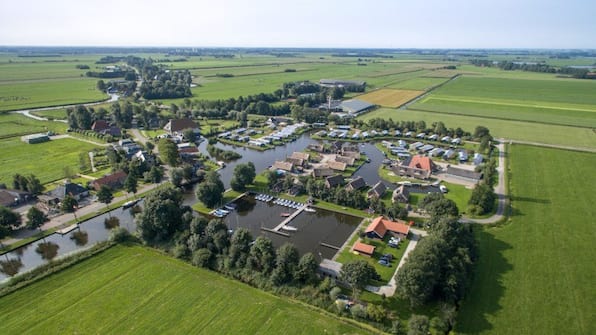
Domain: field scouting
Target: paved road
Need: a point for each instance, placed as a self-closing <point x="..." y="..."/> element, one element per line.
<point x="27" y="112"/>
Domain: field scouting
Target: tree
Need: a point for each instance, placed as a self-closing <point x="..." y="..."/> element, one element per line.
<point x="176" y="176"/>
<point x="306" y="272"/>
<point x="8" y="220"/>
<point x="239" y="248"/>
<point x="168" y="151"/>
<point x="154" y="175"/>
<point x="376" y="313"/>
<point x="244" y="174"/>
<point x="483" y="199"/>
<point x="104" y="195"/>
<point x="418" y="325"/>
<point x="189" y="135"/>
<point x="210" y="191"/>
<point x="47" y="250"/>
<point x="161" y="216"/>
<point x="357" y="274"/>
<point x="68" y="204"/>
<point x="130" y="183"/>
<point x="35" y="218"/>
<point x="261" y="256"/>
<point x="286" y="262"/>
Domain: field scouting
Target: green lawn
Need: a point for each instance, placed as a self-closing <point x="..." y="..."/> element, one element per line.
<point x="45" y="160"/>
<point x="515" y="130"/>
<point x="536" y="273"/>
<point x="134" y="290"/>
<point x="57" y="114"/>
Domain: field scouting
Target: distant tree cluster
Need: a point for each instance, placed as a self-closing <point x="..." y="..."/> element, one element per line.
<point x="226" y="155"/>
<point x="417" y="126"/>
<point x="534" y="67"/>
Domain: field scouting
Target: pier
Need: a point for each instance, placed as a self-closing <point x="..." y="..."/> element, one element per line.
<point x="276" y="232"/>
<point x="330" y="246"/>
<point x="67" y="230"/>
<point x="289" y="218"/>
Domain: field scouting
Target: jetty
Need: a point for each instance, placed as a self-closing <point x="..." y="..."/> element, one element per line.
<point x="67" y="230"/>
<point x="330" y="246"/>
<point x="290" y="218"/>
<point x="276" y="232"/>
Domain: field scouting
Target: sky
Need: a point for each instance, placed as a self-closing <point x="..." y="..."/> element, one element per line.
<point x="547" y="24"/>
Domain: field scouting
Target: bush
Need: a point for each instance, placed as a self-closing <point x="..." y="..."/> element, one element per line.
<point x="334" y="293"/>
<point x="358" y="311"/>
<point x="111" y="222"/>
<point x="121" y="235"/>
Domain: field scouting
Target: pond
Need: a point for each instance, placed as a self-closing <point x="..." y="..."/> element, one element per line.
<point x="62" y="245"/>
<point x="313" y="229"/>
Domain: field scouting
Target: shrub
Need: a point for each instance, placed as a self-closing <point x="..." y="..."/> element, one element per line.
<point x="121" y="235"/>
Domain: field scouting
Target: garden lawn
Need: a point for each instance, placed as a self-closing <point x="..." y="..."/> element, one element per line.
<point x="134" y="290"/>
<point x="536" y="273"/>
<point x="45" y="160"/>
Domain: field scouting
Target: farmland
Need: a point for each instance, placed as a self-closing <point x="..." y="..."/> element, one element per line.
<point x="135" y="290"/>
<point x="561" y="102"/>
<point x="17" y="125"/>
<point x="536" y="273"/>
<point x="390" y="97"/>
<point x="46" y="160"/>
<point x="515" y="130"/>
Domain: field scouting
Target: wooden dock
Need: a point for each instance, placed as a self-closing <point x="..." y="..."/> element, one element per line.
<point x="275" y="232"/>
<point x="290" y="218"/>
<point x="330" y="246"/>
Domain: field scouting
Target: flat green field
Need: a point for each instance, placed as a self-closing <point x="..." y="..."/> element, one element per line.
<point x="17" y="125"/>
<point x="563" y="101"/>
<point x="134" y="290"/>
<point x="536" y="273"/>
<point x="419" y="83"/>
<point x="45" y="160"/>
<point x="515" y="130"/>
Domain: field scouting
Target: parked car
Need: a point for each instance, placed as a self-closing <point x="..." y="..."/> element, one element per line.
<point x="389" y="256"/>
<point x="384" y="263"/>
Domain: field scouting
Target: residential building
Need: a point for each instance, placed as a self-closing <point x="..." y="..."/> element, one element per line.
<point x="377" y="190"/>
<point x="356" y="184"/>
<point x="334" y="181"/>
<point x="113" y="181"/>
<point x="380" y="226"/>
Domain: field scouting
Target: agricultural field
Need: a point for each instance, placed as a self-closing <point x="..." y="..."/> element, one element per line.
<point x="515" y="130"/>
<point x="536" y="272"/>
<point x="39" y="82"/>
<point x="135" y="290"/>
<point x="390" y="97"/>
<point x="16" y="125"/>
<point x="562" y="102"/>
<point x="419" y="83"/>
<point x="46" y="160"/>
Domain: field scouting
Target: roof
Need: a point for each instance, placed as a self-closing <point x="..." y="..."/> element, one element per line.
<point x="180" y="124"/>
<point x="467" y="174"/>
<point x="300" y="155"/>
<point x="116" y="177"/>
<point x="355" y="106"/>
<point x="356" y="184"/>
<point x="295" y="161"/>
<point x="421" y="162"/>
<point x="337" y="165"/>
<point x="6" y="199"/>
<point x="335" y="180"/>
<point x="364" y="248"/>
<point x="345" y="159"/>
<point x="378" y="190"/>
<point x="330" y="267"/>
<point x="68" y="188"/>
<point x="100" y="125"/>
<point x="401" y="194"/>
<point x="380" y="226"/>
<point x="281" y="165"/>
<point x="322" y="172"/>
<point x="341" y="82"/>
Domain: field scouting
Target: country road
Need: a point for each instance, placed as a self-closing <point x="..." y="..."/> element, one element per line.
<point x="27" y="112"/>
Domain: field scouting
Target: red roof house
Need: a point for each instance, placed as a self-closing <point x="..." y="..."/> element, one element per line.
<point x="113" y="181"/>
<point x="380" y="226"/>
<point x="364" y="249"/>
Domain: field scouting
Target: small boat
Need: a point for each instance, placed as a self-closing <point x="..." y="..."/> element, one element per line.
<point x="310" y="210"/>
<point x="230" y="206"/>
<point x="289" y="228"/>
<point x="129" y="204"/>
<point x="285" y="215"/>
<point x="223" y="211"/>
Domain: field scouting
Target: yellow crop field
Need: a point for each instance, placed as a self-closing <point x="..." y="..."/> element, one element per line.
<point x="389" y="97"/>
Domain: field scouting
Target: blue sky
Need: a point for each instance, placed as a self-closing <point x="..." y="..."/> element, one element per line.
<point x="309" y="23"/>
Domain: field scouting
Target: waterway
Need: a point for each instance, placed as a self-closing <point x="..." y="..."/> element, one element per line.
<point x="96" y="232"/>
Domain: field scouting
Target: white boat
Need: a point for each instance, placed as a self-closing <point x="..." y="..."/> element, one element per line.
<point x="223" y="211"/>
<point x="289" y="228"/>
<point x="129" y="204"/>
<point x="310" y="210"/>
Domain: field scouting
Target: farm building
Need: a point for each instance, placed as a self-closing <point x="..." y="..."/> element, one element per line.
<point x="401" y="194"/>
<point x="467" y="175"/>
<point x="35" y="138"/>
<point x="341" y="83"/>
<point x="364" y="249"/>
<point x="377" y="191"/>
<point x="355" y="106"/>
<point x="334" y="181"/>
<point x="380" y="226"/>
<point x="356" y="184"/>
<point x="178" y="125"/>
<point x="75" y="190"/>
<point x="419" y="167"/>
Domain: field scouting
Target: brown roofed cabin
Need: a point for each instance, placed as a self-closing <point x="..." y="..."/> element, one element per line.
<point x="364" y="249"/>
<point x="178" y="125"/>
<point x="284" y="166"/>
<point x="113" y="181"/>
<point x="380" y="226"/>
<point x="419" y="167"/>
<point x="377" y="191"/>
<point x="356" y="184"/>
<point x="300" y="155"/>
<point x="339" y="166"/>
<point x="334" y="181"/>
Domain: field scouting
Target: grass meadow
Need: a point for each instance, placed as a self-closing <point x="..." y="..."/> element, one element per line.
<point x="564" y="102"/>
<point x="536" y="272"/>
<point x="16" y="125"/>
<point x="135" y="290"/>
<point x="45" y="160"/>
<point x="515" y="130"/>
